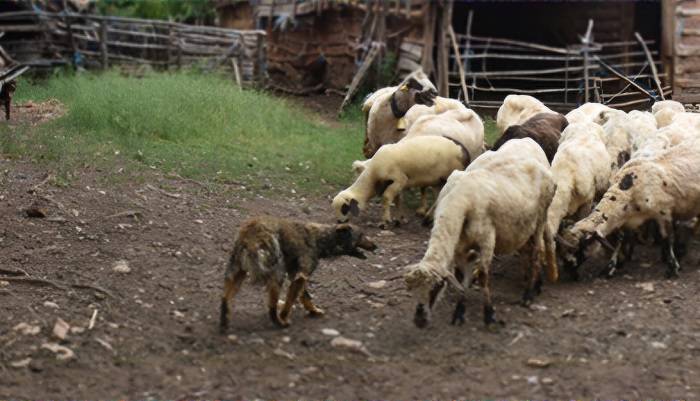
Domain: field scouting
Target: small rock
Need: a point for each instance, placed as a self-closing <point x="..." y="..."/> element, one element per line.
<point x="385" y="233"/>
<point x="35" y="212"/>
<point x="178" y="314"/>
<point x="376" y="305"/>
<point x="648" y="287"/>
<point x="547" y="380"/>
<point x="568" y="313"/>
<point x="77" y="330"/>
<point x="4" y="283"/>
<point x="283" y="353"/>
<point x="62" y="353"/>
<point x="233" y="338"/>
<point x="198" y="221"/>
<point x="50" y="304"/>
<point x="121" y="266"/>
<point x="309" y="370"/>
<point x="60" y="329"/>
<point x="538" y="363"/>
<point x="352" y="345"/>
<point x="286" y="339"/>
<point x="104" y="343"/>
<point x="22" y="363"/>
<point x="27" y="329"/>
<point x="533" y="380"/>
<point x="658" y="345"/>
<point x="330" y="332"/>
<point x="538" y="307"/>
<point x="377" y="284"/>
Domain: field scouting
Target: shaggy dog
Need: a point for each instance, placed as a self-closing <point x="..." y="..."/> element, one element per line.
<point x="268" y="250"/>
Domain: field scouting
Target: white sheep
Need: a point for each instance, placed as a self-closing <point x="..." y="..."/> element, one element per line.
<point x="462" y="125"/>
<point x="663" y="189"/>
<point x="497" y="206"/>
<point x="387" y="109"/>
<point x="581" y="169"/>
<point x="592" y="112"/>
<point x="440" y="105"/>
<point x="516" y="109"/>
<point x="422" y="161"/>
<point x="664" y="111"/>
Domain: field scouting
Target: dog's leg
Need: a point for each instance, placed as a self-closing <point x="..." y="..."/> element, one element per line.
<point x="273" y="295"/>
<point x="231" y="287"/>
<point x="307" y="300"/>
<point x="295" y="288"/>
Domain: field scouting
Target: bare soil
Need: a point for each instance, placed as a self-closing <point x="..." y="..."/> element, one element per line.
<point x="155" y="332"/>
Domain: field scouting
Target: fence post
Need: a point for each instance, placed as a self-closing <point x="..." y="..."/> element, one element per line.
<point x="103" y="44"/>
<point x="260" y="53"/>
<point x="170" y="47"/>
<point x="586" y="41"/>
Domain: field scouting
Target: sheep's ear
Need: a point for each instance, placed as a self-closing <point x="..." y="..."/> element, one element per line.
<point x="404" y="88"/>
<point x="344" y="209"/>
<point x="354" y="208"/>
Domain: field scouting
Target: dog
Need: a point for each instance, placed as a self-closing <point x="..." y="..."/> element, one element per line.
<point x="8" y="89"/>
<point x="269" y="250"/>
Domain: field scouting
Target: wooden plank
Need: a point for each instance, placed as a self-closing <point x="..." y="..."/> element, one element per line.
<point x="624" y="78"/>
<point x="519" y="43"/>
<point x="458" y="59"/>
<point x="361" y="73"/>
<point x="104" y="30"/>
<point x="650" y="59"/>
<point x="21" y="28"/>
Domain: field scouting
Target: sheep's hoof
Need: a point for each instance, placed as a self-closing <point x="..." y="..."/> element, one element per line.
<point x="672" y="273"/>
<point x="609" y="271"/>
<point x="458" y="314"/>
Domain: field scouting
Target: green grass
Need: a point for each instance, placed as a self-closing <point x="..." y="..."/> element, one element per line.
<point x="198" y="126"/>
<point x="490" y="130"/>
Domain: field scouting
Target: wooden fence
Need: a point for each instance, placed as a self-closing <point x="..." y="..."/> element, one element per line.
<point x="42" y="38"/>
<point x="620" y="74"/>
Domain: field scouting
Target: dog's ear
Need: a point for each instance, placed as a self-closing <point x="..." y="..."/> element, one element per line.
<point x="354" y="207"/>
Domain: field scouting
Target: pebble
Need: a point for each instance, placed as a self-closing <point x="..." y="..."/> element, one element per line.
<point x="352" y="345"/>
<point x="60" y="329"/>
<point x="547" y="380"/>
<point x="4" y="283"/>
<point x="22" y="363"/>
<point x="538" y="363"/>
<point x="648" y="287"/>
<point x="121" y="266"/>
<point x="330" y="332"/>
<point x="377" y="284"/>
<point x="27" y="329"/>
<point x="233" y="338"/>
<point x="658" y="345"/>
<point x="50" y="304"/>
<point x="62" y="353"/>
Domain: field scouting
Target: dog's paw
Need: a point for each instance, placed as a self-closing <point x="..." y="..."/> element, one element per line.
<point x="318" y="312"/>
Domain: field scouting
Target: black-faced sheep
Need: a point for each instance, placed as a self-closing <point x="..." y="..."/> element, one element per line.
<point x="543" y="128"/>
<point x="421" y="161"/>
<point x="663" y="189"/>
<point x="516" y="109"/>
<point x="497" y="206"/>
<point x="390" y="106"/>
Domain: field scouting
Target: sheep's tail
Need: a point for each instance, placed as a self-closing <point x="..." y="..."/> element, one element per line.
<point x="550" y="255"/>
<point x="447" y="229"/>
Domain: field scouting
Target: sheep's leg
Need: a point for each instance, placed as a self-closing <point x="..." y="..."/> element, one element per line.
<point x="273" y="295"/>
<point x="461" y="266"/>
<point x="487" y="248"/>
<point x="390" y="193"/>
<point x="531" y="266"/>
<point x="615" y="259"/>
<point x="423" y="208"/>
<point x="667" y="235"/>
<point x="8" y="106"/>
<point x="231" y="287"/>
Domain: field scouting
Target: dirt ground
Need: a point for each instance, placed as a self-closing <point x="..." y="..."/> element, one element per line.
<point x="154" y="328"/>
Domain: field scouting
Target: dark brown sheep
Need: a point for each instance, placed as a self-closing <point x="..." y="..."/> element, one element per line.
<point x="543" y="128"/>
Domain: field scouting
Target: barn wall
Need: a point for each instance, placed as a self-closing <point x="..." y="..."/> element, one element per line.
<point x="236" y="16"/>
<point x="686" y="69"/>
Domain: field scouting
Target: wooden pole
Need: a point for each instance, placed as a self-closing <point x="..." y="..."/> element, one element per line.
<point x="260" y="58"/>
<point x="586" y="42"/>
<point x="458" y="59"/>
<point x="429" y="17"/>
<point x="650" y="59"/>
<point x="624" y="78"/>
<point x="103" y="44"/>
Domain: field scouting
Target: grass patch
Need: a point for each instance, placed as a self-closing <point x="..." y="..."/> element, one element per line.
<point x="200" y="127"/>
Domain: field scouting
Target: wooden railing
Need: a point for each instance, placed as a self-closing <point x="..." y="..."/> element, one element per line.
<point x="99" y="41"/>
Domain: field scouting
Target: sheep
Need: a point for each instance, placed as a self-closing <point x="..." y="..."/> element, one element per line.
<point x="497" y="206"/>
<point x="421" y="161"/>
<point x="661" y="189"/>
<point x="665" y="110"/>
<point x="543" y="128"/>
<point x="516" y="109"/>
<point x="464" y="126"/>
<point x="387" y="108"/>
<point x="581" y="170"/>
<point x="440" y="105"/>
<point x="592" y="112"/>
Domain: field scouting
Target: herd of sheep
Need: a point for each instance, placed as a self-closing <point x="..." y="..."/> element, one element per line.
<point x="554" y="189"/>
